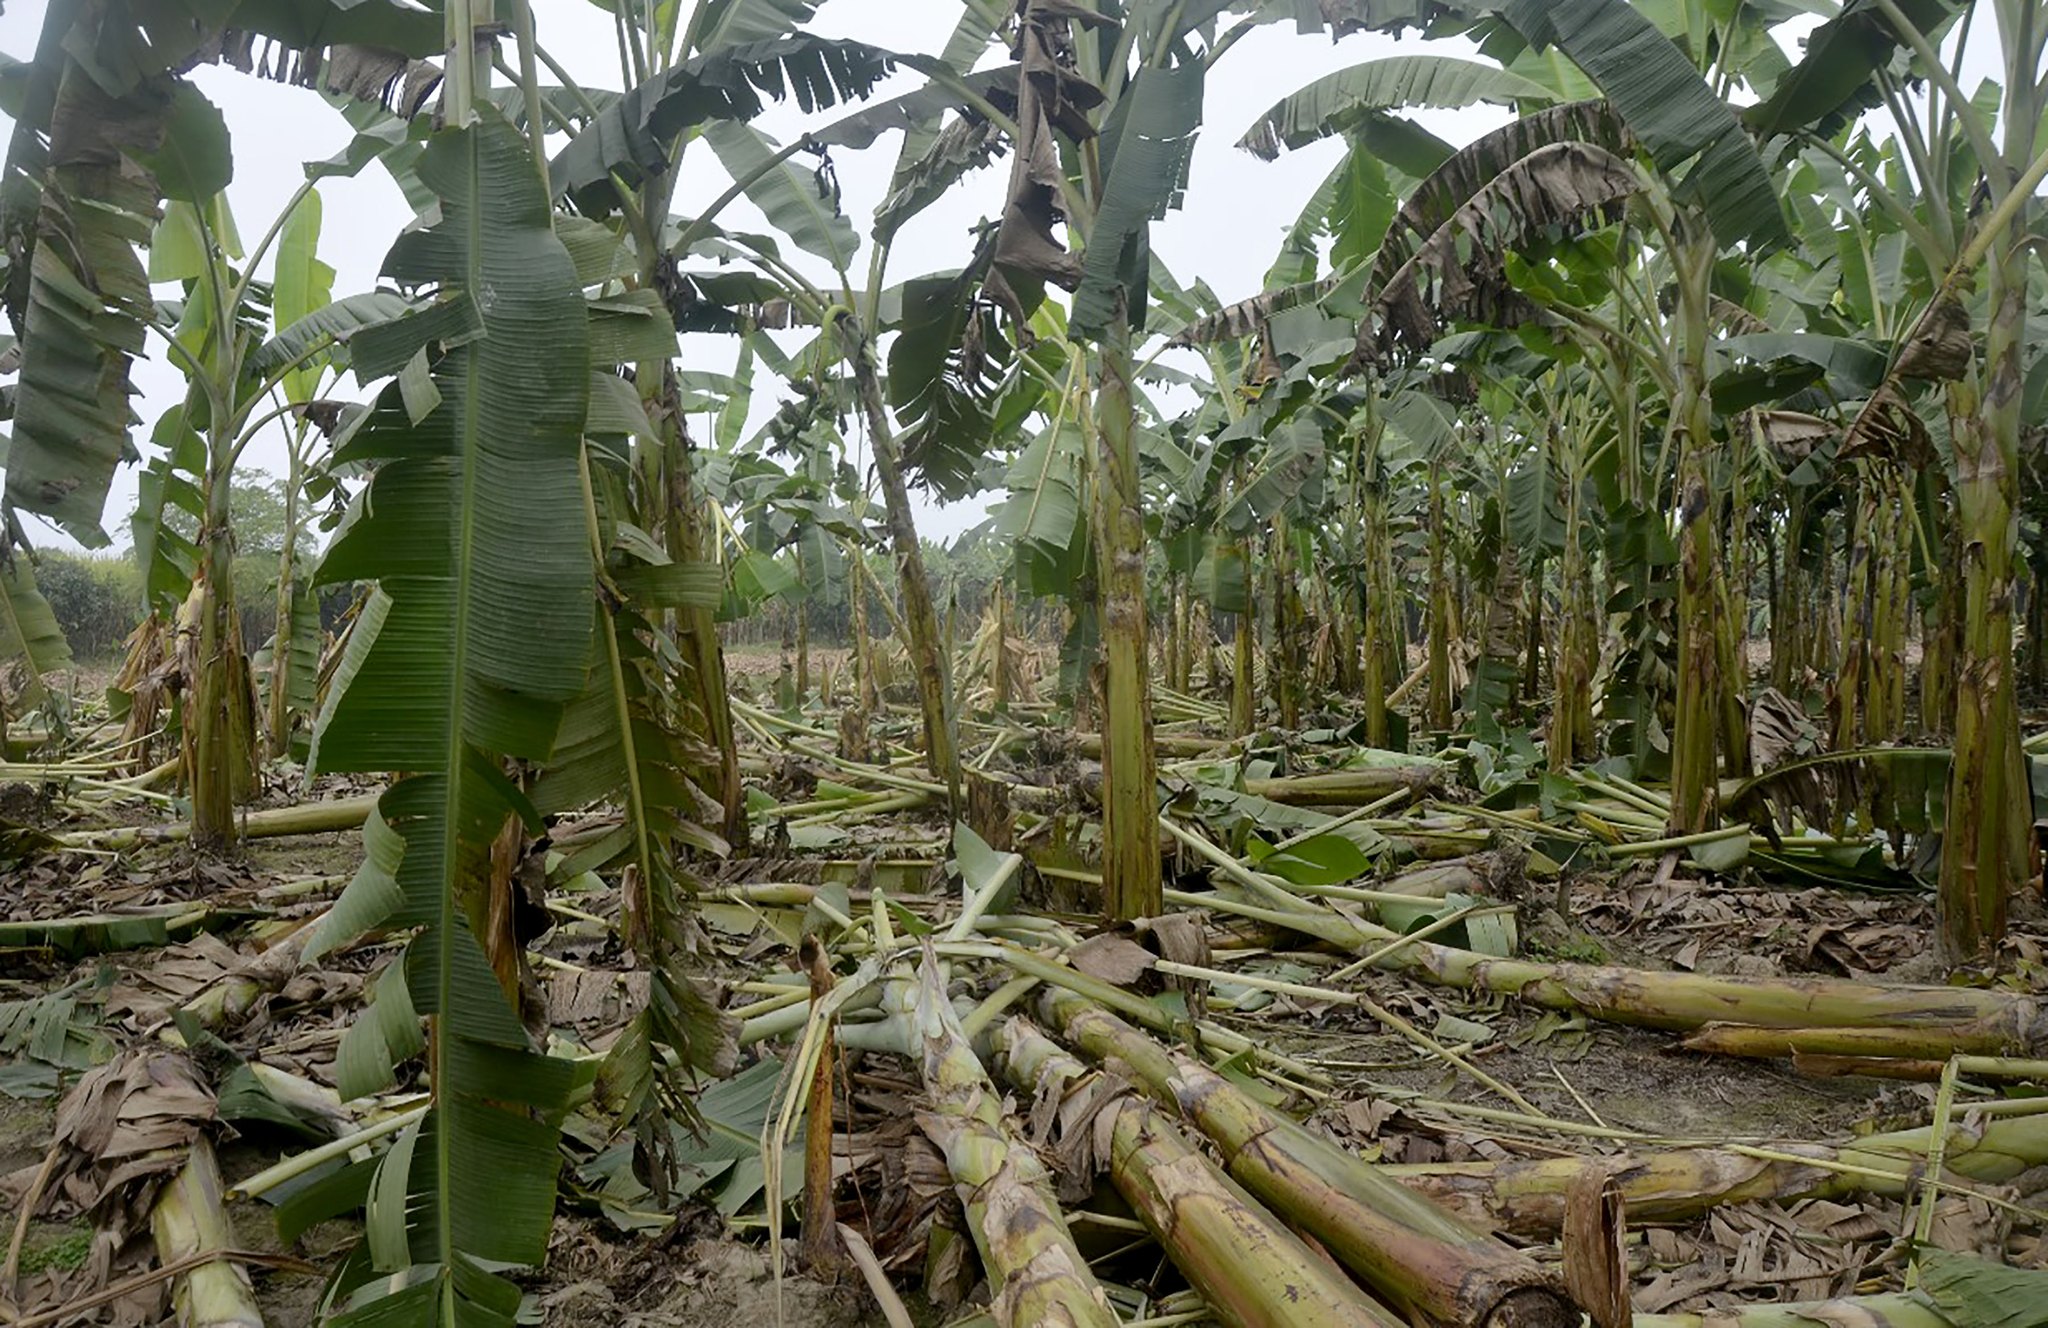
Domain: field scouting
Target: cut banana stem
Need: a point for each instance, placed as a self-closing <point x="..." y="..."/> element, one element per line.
<point x="191" y="1219"/>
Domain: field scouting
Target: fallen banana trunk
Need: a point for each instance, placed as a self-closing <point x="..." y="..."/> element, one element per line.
<point x="1938" y="1018"/>
<point x="1873" y="1043"/>
<point x="105" y="933"/>
<point x="1964" y="1018"/>
<point x="1416" y="1256"/>
<point x="311" y="818"/>
<point x="1346" y="788"/>
<point x="1165" y="744"/>
<point x="1036" y="1273"/>
<point x="1250" y="1269"/>
<point x="190" y="1221"/>
<point x="228" y="1001"/>
<point x="1528" y="1197"/>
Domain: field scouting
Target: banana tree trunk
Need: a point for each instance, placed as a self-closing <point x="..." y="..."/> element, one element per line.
<point x="1852" y="667"/>
<point x="279" y="719"/>
<point x="1578" y="649"/>
<point x="1904" y="1310"/>
<point x="1440" y="591"/>
<point x="1984" y="848"/>
<point x="1527" y="1196"/>
<point x="1000" y="682"/>
<point x="193" y="1234"/>
<point x="1532" y="643"/>
<point x="803" y="633"/>
<point x="219" y="718"/>
<point x="927" y="654"/>
<point x="2006" y="1021"/>
<point x="696" y="627"/>
<point x="1244" y="663"/>
<point x="1976" y="1019"/>
<point x="1130" y="799"/>
<point x="1695" y="737"/>
<point x="1788" y="599"/>
<point x="1380" y="609"/>
<point x="1940" y="625"/>
<point x="868" y="694"/>
<point x="2037" y="626"/>
<point x="1284" y="658"/>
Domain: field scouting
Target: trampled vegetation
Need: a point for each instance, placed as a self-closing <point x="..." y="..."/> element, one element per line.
<point x="1488" y="783"/>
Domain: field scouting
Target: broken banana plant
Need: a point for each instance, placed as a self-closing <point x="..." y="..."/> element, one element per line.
<point x="1036" y="1274"/>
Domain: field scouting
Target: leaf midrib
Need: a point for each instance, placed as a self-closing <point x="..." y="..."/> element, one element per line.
<point x="444" y="977"/>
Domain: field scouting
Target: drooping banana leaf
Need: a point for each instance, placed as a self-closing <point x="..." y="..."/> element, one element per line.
<point x="1835" y="81"/>
<point x="168" y="497"/>
<point x="1459" y="271"/>
<point x="329" y="327"/>
<point x="631" y="138"/>
<point x="1688" y="130"/>
<point x="1339" y="102"/>
<point x="302" y="674"/>
<point x="800" y="205"/>
<point x="946" y="366"/>
<point x="1041" y="518"/>
<point x="310" y="26"/>
<point x="931" y="159"/>
<point x="86" y="301"/>
<point x="1146" y="163"/>
<point x="1854" y="368"/>
<point x="473" y="529"/>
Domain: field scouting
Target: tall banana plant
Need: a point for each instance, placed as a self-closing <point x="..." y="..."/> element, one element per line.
<point x="693" y="74"/>
<point x="1119" y="96"/>
<point x="239" y="383"/>
<point x="1984" y="846"/>
<point x="477" y="639"/>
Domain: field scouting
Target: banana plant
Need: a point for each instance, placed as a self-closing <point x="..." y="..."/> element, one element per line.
<point x="1101" y="118"/>
<point x="240" y="383"/>
<point x="474" y="645"/>
<point x="1985" y="403"/>
<point x="695" y="73"/>
<point x="98" y="145"/>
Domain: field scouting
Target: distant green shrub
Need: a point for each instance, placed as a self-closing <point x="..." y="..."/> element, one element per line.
<point x="97" y="599"/>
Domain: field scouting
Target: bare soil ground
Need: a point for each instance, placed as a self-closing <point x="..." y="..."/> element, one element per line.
<point x="1382" y="1098"/>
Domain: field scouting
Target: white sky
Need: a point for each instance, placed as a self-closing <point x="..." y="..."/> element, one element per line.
<point x="1237" y="207"/>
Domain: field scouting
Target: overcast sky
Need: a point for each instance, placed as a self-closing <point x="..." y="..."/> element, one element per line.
<point x="1237" y="207"/>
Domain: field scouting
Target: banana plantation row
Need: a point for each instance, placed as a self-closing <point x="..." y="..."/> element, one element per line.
<point x="1686" y="429"/>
